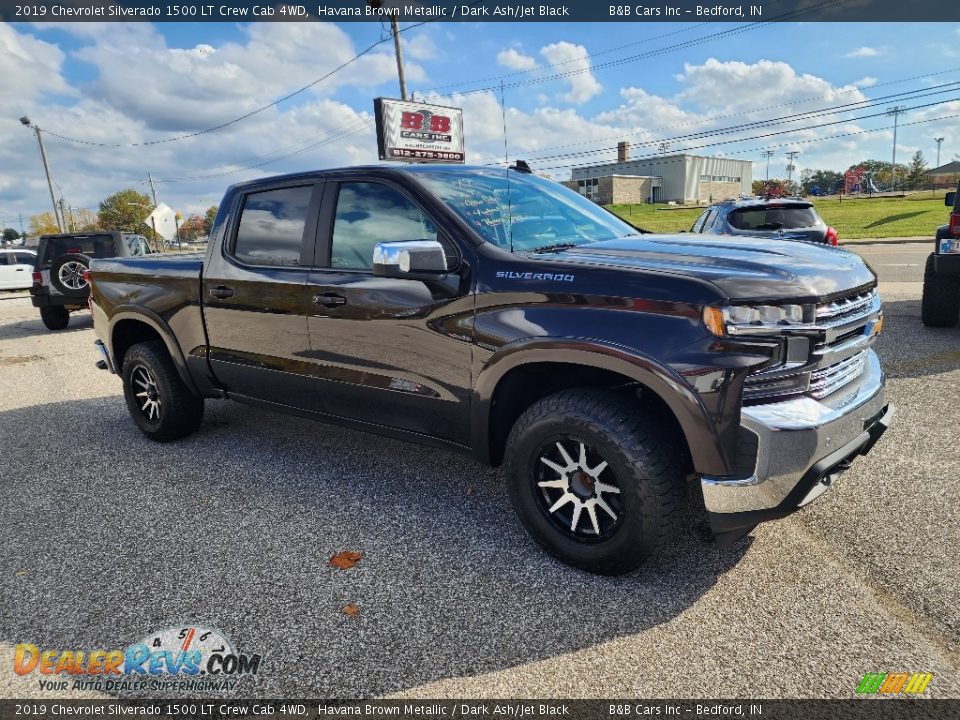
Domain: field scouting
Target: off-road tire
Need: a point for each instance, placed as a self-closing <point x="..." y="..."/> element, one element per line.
<point x="940" y="306"/>
<point x="180" y="412"/>
<point x="646" y="463"/>
<point x="76" y="260"/>
<point x="55" y="317"/>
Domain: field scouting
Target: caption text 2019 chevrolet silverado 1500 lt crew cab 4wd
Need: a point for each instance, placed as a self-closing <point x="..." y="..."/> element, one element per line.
<point x="498" y="312"/>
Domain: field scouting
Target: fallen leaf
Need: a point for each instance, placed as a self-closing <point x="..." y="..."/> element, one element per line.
<point x="470" y="490"/>
<point x="350" y="610"/>
<point x="345" y="560"/>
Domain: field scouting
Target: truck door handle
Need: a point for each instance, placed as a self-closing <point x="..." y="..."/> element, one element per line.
<point x="329" y="300"/>
<point x="221" y="291"/>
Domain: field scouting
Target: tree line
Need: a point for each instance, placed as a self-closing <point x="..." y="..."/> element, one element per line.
<point x="910" y="176"/>
<point x="126" y="211"/>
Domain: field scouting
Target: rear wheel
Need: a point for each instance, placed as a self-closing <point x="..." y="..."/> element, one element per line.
<point x="940" y="306"/>
<point x="158" y="400"/>
<point x="55" y="317"/>
<point x="593" y="480"/>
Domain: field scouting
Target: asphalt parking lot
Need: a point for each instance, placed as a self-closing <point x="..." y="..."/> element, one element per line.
<point x="107" y="536"/>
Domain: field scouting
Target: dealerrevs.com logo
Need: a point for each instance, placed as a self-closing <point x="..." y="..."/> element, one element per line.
<point x="192" y="657"/>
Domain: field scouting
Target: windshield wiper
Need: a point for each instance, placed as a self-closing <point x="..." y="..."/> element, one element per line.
<point x="555" y="247"/>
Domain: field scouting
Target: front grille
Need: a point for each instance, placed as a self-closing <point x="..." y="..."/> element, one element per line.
<point x="846" y="309"/>
<point x="826" y="381"/>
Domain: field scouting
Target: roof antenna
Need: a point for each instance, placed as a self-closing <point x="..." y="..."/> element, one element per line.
<point x="506" y="158"/>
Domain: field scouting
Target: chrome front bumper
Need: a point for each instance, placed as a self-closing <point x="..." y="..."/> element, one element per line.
<point x="802" y="444"/>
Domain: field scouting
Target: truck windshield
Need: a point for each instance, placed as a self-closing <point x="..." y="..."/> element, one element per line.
<point x="525" y="213"/>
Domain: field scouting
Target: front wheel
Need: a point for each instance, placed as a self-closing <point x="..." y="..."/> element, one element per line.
<point x="593" y="480"/>
<point x="940" y="306"/>
<point x="158" y="400"/>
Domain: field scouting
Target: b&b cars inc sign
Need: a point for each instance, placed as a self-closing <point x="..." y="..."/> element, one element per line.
<point x="417" y="132"/>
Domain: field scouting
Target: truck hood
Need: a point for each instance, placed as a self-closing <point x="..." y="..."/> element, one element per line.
<point x="743" y="268"/>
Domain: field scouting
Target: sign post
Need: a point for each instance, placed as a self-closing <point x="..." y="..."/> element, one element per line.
<point x="418" y="132"/>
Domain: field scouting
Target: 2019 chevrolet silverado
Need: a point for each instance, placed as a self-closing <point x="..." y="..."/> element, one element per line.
<point x="499" y="313"/>
<point x="940" y="304"/>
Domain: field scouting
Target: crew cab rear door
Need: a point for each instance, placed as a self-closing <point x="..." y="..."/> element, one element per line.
<point x="254" y="294"/>
<point x="391" y="352"/>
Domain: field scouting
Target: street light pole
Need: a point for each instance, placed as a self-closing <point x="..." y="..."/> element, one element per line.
<point x="768" y="154"/>
<point x="896" y="111"/>
<point x="939" y="142"/>
<point x="46" y="168"/>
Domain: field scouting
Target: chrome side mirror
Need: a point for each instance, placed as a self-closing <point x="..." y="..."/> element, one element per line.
<point x="409" y="259"/>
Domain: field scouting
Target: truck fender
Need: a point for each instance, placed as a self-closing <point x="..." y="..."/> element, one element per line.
<point x="697" y="425"/>
<point x="154" y="320"/>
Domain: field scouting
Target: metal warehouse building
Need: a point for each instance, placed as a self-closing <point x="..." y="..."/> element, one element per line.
<point x="678" y="178"/>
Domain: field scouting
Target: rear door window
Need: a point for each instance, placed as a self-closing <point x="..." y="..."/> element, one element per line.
<point x="271" y="226"/>
<point x="775" y="217"/>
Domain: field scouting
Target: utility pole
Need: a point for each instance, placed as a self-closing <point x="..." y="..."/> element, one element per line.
<point x="46" y="168"/>
<point x="20" y="215"/>
<point x="153" y="218"/>
<point x="395" y="27"/>
<point x="896" y="111"/>
<point x="63" y="214"/>
<point x="768" y="154"/>
<point x="939" y="142"/>
<point x="395" y="31"/>
<point x="790" y="166"/>
<point x="153" y="190"/>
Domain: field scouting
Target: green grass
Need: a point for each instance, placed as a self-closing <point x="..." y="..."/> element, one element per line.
<point x="916" y="215"/>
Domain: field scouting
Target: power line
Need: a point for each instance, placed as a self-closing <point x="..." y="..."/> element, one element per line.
<point x="780" y="132"/>
<point x="748" y="111"/>
<point x="806" y="115"/>
<point x="328" y="139"/>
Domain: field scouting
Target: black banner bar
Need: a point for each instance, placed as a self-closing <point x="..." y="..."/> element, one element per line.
<point x="276" y="709"/>
<point x="746" y="11"/>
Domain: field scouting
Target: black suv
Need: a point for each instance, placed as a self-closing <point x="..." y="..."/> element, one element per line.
<point x="59" y="286"/>
<point x="774" y="217"/>
<point x="941" y="277"/>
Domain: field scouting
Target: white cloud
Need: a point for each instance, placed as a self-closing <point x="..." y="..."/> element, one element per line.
<point x="511" y="58"/>
<point x="172" y="89"/>
<point x="421" y="47"/>
<point x="865" y="82"/>
<point x="567" y="57"/>
<point x="28" y="67"/>
<point x="863" y="52"/>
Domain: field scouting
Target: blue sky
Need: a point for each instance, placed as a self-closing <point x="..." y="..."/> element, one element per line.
<point x="131" y="83"/>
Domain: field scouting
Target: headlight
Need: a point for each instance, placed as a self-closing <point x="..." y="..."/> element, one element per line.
<point x="757" y="319"/>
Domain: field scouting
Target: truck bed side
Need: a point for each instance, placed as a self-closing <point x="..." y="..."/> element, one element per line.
<point x="134" y="297"/>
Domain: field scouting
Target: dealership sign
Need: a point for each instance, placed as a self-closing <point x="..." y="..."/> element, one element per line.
<point x="417" y="132"/>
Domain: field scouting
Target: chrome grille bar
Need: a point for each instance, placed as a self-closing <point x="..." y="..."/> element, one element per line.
<point x="828" y="380"/>
<point x="848" y="306"/>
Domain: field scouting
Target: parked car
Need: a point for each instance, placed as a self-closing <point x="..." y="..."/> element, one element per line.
<point x="940" y="306"/>
<point x="15" y="268"/>
<point x="603" y="368"/>
<point x="774" y="217"/>
<point x="59" y="285"/>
